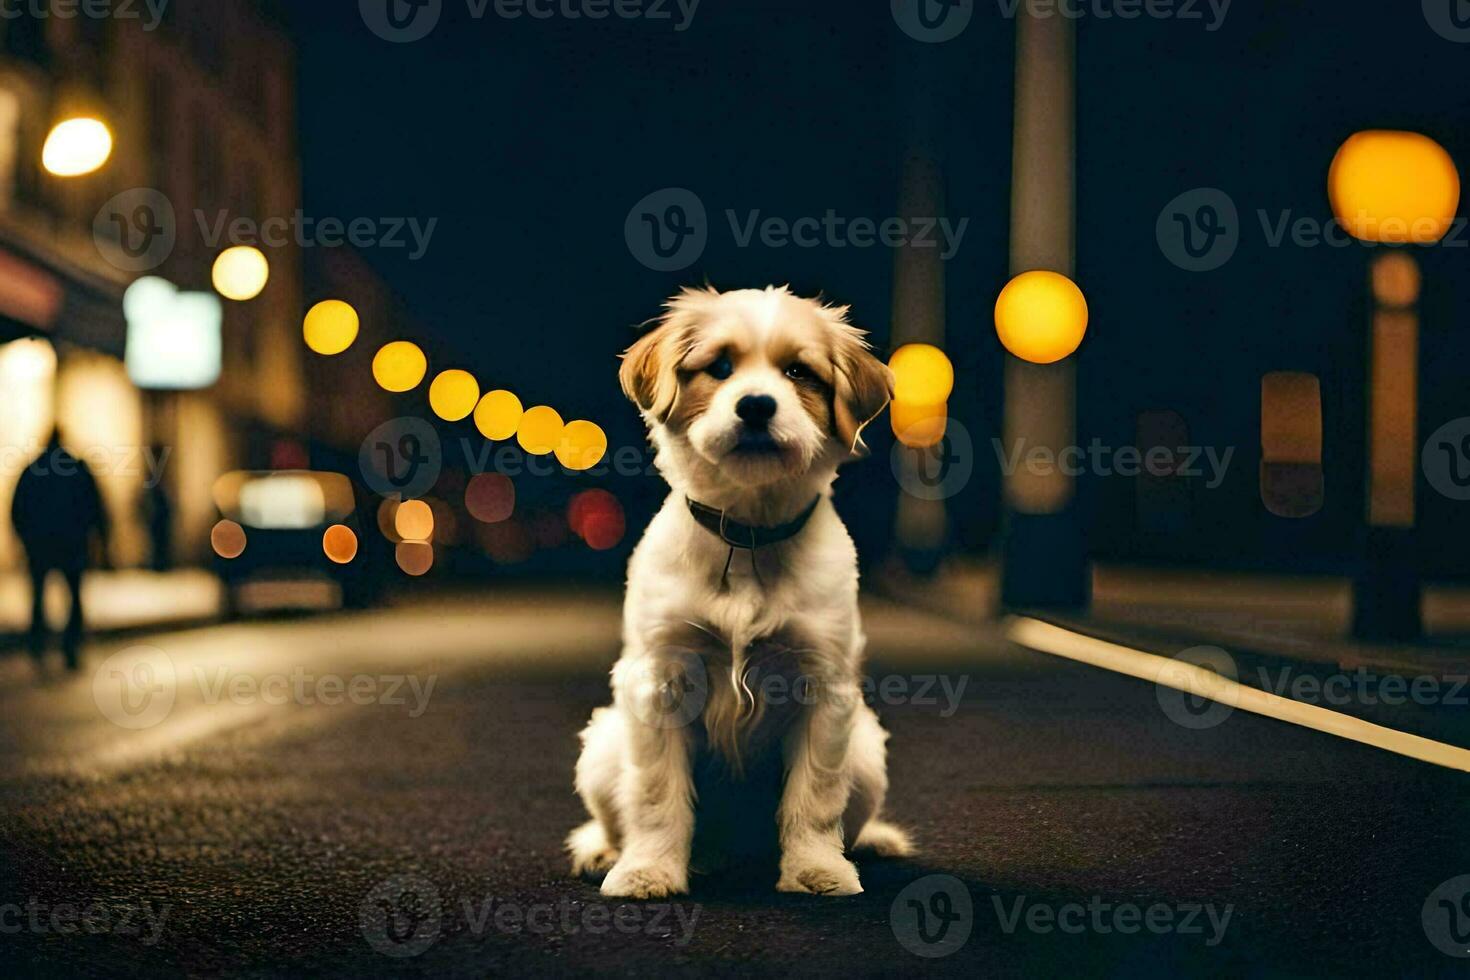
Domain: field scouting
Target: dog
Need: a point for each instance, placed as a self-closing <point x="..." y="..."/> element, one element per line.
<point x="737" y="725"/>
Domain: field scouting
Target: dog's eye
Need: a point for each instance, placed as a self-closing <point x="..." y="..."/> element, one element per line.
<point x="721" y="368"/>
<point x="800" y="372"/>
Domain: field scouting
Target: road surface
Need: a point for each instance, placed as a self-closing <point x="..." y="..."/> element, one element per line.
<point x="388" y="792"/>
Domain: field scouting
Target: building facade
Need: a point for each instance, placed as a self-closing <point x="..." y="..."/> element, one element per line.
<point x="201" y="108"/>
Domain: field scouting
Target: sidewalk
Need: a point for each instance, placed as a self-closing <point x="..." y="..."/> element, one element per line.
<point x="114" y="601"/>
<point x="1299" y="618"/>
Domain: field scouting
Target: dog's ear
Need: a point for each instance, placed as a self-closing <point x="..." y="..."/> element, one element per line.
<point x="648" y="372"/>
<point x="862" y="386"/>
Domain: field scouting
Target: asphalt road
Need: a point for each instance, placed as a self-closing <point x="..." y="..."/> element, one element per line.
<point x="233" y="823"/>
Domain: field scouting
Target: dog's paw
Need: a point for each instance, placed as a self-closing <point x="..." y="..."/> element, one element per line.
<point x="590" y="851"/>
<point x="828" y="876"/>
<point x="642" y="880"/>
<point x="883" y="839"/>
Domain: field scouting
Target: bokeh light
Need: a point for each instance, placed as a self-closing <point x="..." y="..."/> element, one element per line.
<point x="454" y="394"/>
<point x="414" y="521"/>
<point x="597" y="518"/>
<point x="399" y="366"/>
<point x="240" y="273"/>
<point x="1396" y="280"/>
<point x="490" y="497"/>
<point x="581" y="446"/>
<point x="76" y="147"/>
<point x="540" y="430"/>
<point x="498" y="415"/>
<point x="922" y="375"/>
<point x="1041" y="316"/>
<point x="1393" y="186"/>
<point x="340" y="544"/>
<point x="330" y="327"/>
<point x="414" y="557"/>
<point x="227" y="539"/>
<point x="919" y="426"/>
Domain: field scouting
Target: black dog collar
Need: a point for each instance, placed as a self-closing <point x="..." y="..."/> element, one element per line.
<point x="748" y="536"/>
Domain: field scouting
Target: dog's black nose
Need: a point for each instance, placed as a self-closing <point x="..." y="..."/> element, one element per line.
<point x="756" y="410"/>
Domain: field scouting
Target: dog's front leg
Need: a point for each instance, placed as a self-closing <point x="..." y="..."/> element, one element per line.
<point x="817" y="787"/>
<point x="655" y="790"/>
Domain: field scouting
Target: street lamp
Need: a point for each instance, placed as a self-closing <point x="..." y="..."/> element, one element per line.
<point x="77" y="146"/>
<point x="1041" y="316"/>
<point x="1396" y="188"/>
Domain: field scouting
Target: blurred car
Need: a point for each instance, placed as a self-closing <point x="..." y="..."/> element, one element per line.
<point x="295" y="539"/>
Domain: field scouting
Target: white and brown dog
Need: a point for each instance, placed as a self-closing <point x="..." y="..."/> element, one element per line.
<point x="737" y="724"/>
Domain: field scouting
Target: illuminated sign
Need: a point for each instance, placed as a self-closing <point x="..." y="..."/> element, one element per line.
<point x="173" y="337"/>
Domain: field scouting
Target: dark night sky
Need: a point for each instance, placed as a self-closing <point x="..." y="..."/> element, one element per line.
<point x="531" y="140"/>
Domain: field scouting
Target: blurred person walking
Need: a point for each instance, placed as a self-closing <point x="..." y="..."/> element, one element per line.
<point x="56" y="508"/>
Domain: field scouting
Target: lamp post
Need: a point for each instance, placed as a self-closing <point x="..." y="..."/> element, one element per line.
<point x="1395" y="188"/>
<point x="1044" y="558"/>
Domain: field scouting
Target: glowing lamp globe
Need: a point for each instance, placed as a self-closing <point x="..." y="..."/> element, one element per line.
<point x="922" y="375"/>
<point x="76" y="147"/>
<point x="498" y="415"/>
<point x="581" y="446"/>
<point x="399" y="366"/>
<point x="540" y="430"/>
<point x="1041" y="316"/>
<point x="454" y="395"/>
<point x="330" y="327"/>
<point x="1393" y="186"/>
<point x="240" y="273"/>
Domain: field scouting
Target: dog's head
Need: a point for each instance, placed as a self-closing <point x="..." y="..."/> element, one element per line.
<point x="758" y="385"/>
